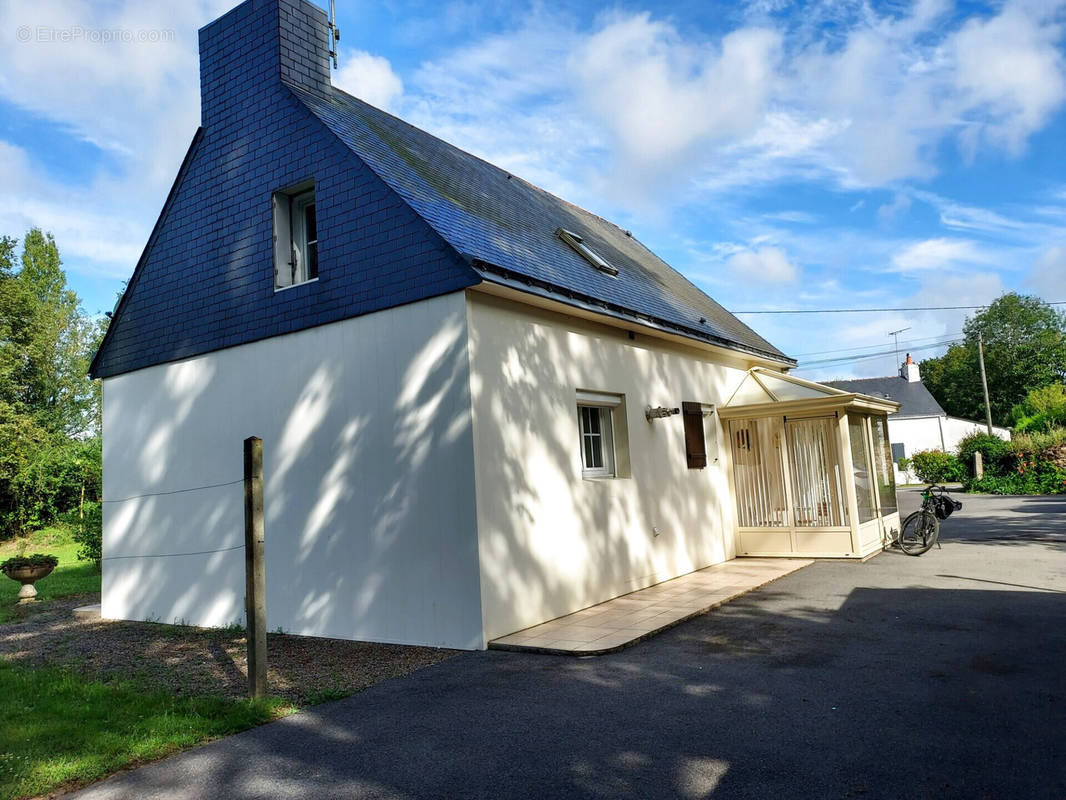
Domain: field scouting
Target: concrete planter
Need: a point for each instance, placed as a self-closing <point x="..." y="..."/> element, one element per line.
<point x="28" y="576"/>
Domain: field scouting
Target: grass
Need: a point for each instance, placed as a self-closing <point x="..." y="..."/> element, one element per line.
<point x="70" y="577"/>
<point x="62" y="730"/>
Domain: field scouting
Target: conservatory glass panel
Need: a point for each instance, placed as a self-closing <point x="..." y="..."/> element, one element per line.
<point x="860" y="464"/>
<point x="886" y="478"/>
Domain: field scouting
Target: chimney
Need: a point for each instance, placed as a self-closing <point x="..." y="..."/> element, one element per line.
<point x="250" y="50"/>
<point x="909" y="371"/>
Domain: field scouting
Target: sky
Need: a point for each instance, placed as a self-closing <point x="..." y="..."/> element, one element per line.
<point x="820" y="155"/>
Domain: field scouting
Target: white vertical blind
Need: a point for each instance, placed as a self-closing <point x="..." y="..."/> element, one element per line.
<point x="760" y="485"/>
<point x="817" y="492"/>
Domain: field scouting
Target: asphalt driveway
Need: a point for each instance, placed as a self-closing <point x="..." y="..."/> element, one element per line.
<point x="942" y="676"/>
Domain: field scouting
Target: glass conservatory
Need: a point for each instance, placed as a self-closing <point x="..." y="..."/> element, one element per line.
<point x="811" y="468"/>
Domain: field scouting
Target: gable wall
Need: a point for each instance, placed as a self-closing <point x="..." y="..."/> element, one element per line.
<point x="207" y="282"/>
<point x="368" y="481"/>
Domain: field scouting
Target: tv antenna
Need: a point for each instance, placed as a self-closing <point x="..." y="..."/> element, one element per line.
<point x="895" y="336"/>
<point x="334" y="34"/>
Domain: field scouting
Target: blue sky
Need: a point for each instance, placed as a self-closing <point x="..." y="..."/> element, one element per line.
<point x="781" y="155"/>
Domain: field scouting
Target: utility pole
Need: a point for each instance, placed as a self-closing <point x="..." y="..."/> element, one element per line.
<point x="895" y="336"/>
<point x="984" y="380"/>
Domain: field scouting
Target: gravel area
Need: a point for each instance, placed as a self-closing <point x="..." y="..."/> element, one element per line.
<point x="196" y="661"/>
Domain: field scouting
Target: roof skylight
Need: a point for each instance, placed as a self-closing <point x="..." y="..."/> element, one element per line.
<point x="585" y="251"/>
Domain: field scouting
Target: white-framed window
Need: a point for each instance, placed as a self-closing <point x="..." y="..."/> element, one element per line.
<point x="597" y="441"/>
<point x="295" y="236"/>
<point x="596" y="413"/>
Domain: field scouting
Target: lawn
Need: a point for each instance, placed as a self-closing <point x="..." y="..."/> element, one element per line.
<point x="70" y="577"/>
<point x="86" y="697"/>
<point x="63" y="730"/>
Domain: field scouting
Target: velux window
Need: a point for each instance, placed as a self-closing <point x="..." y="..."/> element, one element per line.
<point x="586" y="252"/>
<point x="295" y="236"/>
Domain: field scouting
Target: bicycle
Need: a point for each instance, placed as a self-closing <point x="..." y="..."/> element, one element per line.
<point x="921" y="530"/>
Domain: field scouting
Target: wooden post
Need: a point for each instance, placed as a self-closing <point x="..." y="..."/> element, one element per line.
<point x="255" y="566"/>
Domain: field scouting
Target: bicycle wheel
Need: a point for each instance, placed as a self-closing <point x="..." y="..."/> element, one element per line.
<point x="918" y="533"/>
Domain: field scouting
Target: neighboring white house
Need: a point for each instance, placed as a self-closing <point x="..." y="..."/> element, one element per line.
<point x="920" y="424"/>
<point x="481" y="406"/>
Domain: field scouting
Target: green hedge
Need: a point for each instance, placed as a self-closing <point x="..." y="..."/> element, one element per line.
<point x="936" y="466"/>
<point x="1029" y="464"/>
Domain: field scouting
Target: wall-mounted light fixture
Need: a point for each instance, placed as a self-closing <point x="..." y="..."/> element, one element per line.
<point x="660" y="412"/>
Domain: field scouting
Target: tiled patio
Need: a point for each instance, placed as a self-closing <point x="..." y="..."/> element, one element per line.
<point x="627" y="619"/>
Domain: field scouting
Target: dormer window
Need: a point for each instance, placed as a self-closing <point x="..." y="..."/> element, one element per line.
<point x="295" y="236"/>
<point x="585" y="251"/>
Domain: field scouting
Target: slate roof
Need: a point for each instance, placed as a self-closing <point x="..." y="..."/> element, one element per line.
<point x="914" y="399"/>
<point x="506" y="227"/>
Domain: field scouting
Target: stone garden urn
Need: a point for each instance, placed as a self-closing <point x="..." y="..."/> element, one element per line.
<point x="27" y="570"/>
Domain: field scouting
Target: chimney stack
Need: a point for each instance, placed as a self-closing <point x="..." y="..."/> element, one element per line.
<point x="909" y="371"/>
<point x="254" y="48"/>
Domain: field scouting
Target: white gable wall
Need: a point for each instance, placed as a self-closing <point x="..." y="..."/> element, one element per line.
<point x="368" y="476"/>
<point x="552" y="542"/>
<point x="932" y="433"/>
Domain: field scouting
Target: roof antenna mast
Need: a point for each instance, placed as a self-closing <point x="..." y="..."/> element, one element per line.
<point x="895" y="335"/>
<point x="334" y="34"/>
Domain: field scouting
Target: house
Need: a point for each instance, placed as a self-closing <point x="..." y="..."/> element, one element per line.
<point x="920" y="424"/>
<point x="481" y="407"/>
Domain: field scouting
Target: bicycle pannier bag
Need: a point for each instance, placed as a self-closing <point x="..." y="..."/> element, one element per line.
<point x="945" y="507"/>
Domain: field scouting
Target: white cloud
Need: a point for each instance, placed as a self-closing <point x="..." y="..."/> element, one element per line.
<point x="935" y="254"/>
<point x="370" y="78"/>
<point x="765" y="265"/>
<point x="1010" y="74"/>
<point x="689" y="93"/>
<point x="900" y="204"/>
<point x="1048" y="275"/>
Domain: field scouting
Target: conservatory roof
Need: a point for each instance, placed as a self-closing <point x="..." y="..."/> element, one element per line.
<point x="765" y="392"/>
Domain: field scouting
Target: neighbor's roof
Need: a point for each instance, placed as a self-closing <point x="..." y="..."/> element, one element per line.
<point x="914" y="399"/>
<point x="507" y="227"/>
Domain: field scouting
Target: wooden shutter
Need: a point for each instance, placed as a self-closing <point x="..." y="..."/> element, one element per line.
<point x="695" y="442"/>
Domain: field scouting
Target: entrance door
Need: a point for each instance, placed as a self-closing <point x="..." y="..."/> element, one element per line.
<point x="814" y="467"/>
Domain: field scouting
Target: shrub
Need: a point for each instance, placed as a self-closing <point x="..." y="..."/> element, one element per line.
<point x="1041" y="410"/>
<point x="36" y="560"/>
<point x="995" y="453"/>
<point x="936" y="466"/>
<point x="42" y="475"/>
<point x="1038" y="441"/>
<point x="88" y="533"/>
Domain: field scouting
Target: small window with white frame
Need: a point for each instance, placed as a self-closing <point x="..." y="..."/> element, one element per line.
<point x="596" y="422"/>
<point x="295" y="236"/>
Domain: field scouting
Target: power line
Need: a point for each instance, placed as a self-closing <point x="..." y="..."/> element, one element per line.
<point x="875" y="346"/>
<point x="870" y="356"/>
<point x="871" y="310"/>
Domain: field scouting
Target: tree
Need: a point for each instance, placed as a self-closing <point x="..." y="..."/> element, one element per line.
<point x="49" y="408"/>
<point x="46" y="340"/>
<point x="1025" y="349"/>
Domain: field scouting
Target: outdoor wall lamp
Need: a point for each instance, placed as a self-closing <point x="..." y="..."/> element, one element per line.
<point x="660" y="412"/>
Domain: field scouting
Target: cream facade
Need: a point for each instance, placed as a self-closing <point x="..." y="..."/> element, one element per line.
<point x="550" y="540"/>
<point x="423" y="473"/>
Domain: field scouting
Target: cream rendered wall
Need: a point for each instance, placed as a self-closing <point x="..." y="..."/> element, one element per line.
<point x="368" y="476"/>
<point x="550" y="541"/>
